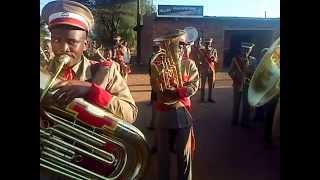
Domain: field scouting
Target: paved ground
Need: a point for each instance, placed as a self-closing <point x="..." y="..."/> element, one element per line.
<point x="223" y="152"/>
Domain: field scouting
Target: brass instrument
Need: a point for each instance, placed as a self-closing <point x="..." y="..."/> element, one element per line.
<point x="43" y="54"/>
<point x="82" y="141"/>
<point x="124" y="68"/>
<point x="265" y="83"/>
<point x="165" y="65"/>
<point x="97" y="51"/>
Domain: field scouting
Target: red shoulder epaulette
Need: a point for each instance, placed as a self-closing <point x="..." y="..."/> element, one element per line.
<point x="106" y="63"/>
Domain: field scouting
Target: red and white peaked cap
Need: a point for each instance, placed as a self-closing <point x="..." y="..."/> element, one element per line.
<point x="64" y="12"/>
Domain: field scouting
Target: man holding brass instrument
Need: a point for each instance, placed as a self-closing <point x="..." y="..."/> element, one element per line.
<point x="98" y="83"/>
<point x="174" y="85"/>
<point x="241" y="70"/>
<point x="46" y="53"/>
<point x="119" y="51"/>
<point x="208" y="58"/>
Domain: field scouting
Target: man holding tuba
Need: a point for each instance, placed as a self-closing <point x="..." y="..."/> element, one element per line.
<point x="172" y="117"/>
<point x="241" y="70"/>
<point x="98" y="83"/>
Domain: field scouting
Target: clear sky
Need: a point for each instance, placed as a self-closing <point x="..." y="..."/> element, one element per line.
<point x="239" y="8"/>
<point x="42" y="3"/>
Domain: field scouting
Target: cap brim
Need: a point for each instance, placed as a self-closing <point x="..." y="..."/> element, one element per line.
<point x="73" y="24"/>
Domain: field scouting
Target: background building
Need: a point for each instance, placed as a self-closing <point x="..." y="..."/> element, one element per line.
<point x="227" y="32"/>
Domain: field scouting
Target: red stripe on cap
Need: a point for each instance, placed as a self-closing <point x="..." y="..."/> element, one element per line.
<point x="69" y="21"/>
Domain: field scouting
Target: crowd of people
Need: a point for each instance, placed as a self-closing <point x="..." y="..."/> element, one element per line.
<point x="105" y="84"/>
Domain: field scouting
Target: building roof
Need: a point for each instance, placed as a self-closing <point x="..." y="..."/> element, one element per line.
<point x="239" y="18"/>
<point x="226" y="18"/>
<point x="229" y="22"/>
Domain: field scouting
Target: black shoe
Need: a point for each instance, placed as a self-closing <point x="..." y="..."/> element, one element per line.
<point x="235" y="124"/>
<point x="173" y="150"/>
<point x="154" y="149"/>
<point x="211" y="100"/>
<point x="245" y="125"/>
<point x="268" y="140"/>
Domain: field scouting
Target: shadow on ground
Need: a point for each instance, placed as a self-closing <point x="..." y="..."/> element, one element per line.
<point x="222" y="152"/>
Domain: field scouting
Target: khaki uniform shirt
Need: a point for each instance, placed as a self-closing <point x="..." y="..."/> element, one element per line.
<point x="108" y="77"/>
<point x="240" y="71"/>
<point x="204" y="67"/>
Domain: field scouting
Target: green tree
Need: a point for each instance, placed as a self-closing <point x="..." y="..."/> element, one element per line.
<point x="119" y="18"/>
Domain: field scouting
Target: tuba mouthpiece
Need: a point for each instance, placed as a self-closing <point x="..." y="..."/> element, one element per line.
<point x="65" y="59"/>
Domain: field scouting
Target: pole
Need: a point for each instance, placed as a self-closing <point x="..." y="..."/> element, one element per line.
<point x="138" y="33"/>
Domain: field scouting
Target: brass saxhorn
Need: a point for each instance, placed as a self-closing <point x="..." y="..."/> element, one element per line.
<point x="98" y="51"/>
<point x="43" y="54"/>
<point x="265" y="83"/>
<point x="82" y="141"/>
<point x="165" y="65"/>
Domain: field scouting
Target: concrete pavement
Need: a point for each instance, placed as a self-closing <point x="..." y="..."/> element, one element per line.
<point x="222" y="152"/>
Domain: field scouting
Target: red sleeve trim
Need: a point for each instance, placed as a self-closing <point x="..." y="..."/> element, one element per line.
<point x="106" y="63"/>
<point x="99" y="96"/>
<point x="182" y="92"/>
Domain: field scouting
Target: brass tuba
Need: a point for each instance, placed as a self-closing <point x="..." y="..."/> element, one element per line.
<point x="165" y="65"/>
<point x="82" y="141"/>
<point x="265" y="83"/>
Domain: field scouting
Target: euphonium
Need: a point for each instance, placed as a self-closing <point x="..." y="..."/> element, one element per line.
<point x="82" y="141"/>
<point x="265" y="83"/>
<point x="165" y="65"/>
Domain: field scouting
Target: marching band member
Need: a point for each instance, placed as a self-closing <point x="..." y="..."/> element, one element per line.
<point x="241" y="70"/>
<point x="119" y="52"/>
<point x="208" y="59"/>
<point x="98" y="83"/>
<point x="109" y="57"/>
<point x="46" y="49"/>
<point x="174" y="122"/>
<point x="151" y="126"/>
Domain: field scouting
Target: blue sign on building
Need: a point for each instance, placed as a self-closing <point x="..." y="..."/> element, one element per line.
<point x="180" y="11"/>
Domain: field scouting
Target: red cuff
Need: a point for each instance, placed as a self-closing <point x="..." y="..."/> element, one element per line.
<point x="182" y="92"/>
<point x="99" y="96"/>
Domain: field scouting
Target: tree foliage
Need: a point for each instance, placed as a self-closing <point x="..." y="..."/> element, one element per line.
<point x="117" y="17"/>
<point x="114" y="17"/>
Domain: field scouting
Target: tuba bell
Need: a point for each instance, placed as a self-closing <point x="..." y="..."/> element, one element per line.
<point x="165" y="65"/>
<point x="82" y="141"/>
<point x="265" y="83"/>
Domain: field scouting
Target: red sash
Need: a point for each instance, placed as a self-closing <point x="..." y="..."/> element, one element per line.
<point x="204" y="54"/>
